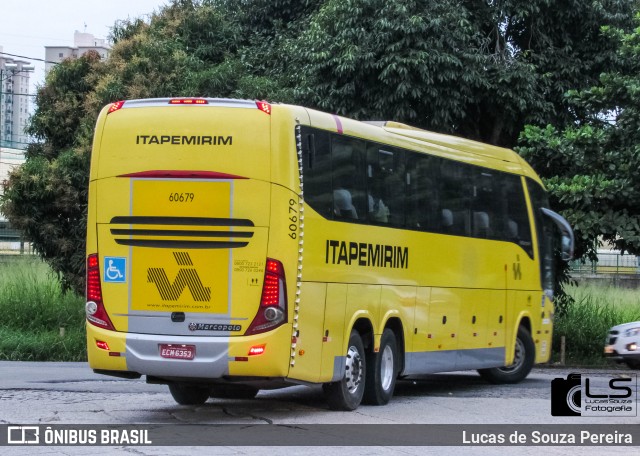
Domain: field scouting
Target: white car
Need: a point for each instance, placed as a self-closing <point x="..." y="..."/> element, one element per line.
<point x="623" y="344"/>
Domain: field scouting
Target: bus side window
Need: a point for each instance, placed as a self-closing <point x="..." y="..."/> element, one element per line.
<point x="422" y="201"/>
<point x="483" y="203"/>
<point x="348" y="178"/>
<point x="456" y="192"/>
<point x="545" y="233"/>
<point x="385" y="185"/>
<point x="515" y="222"/>
<point x="511" y="222"/>
<point x="316" y="168"/>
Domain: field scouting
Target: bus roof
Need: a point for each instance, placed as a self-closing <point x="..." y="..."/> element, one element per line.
<point x="448" y="146"/>
<point x="452" y="142"/>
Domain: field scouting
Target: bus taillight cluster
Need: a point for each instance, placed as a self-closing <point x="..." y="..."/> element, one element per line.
<point x="95" y="311"/>
<point x="273" y="302"/>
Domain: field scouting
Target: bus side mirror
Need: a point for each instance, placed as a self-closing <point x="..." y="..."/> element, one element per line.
<point x="568" y="240"/>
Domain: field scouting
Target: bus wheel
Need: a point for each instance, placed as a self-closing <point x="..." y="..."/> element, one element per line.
<point x="347" y="393"/>
<point x="233" y="392"/>
<point x="525" y="352"/>
<point x="186" y="394"/>
<point x="382" y="370"/>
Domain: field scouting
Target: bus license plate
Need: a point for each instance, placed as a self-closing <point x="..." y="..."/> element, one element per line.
<point x="174" y="351"/>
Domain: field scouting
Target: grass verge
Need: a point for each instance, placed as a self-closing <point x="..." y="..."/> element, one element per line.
<point x="588" y="320"/>
<point x="33" y="309"/>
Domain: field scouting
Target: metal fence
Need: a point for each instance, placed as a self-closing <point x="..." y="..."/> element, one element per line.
<point x="609" y="262"/>
<point x="16" y="248"/>
<point x="11" y="242"/>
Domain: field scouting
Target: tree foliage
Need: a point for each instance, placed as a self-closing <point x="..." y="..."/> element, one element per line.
<point x="591" y="166"/>
<point x="410" y="61"/>
<point x="481" y="69"/>
<point x="46" y="197"/>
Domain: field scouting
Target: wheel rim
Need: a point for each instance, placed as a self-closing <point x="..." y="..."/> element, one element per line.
<point x="386" y="368"/>
<point x="518" y="358"/>
<point x="353" y="374"/>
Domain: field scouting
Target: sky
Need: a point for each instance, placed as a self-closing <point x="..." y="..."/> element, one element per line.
<point x="27" y="26"/>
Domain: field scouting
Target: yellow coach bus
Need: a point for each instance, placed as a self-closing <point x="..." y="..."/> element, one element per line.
<point x="237" y="245"/>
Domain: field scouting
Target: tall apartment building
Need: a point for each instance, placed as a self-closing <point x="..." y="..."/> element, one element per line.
<point x="82" y="43"/>
<point x="14" y="101"/>
<point x="9" y="159"/>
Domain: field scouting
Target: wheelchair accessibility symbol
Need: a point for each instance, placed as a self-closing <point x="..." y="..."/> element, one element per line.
<point x="115" y="269"/>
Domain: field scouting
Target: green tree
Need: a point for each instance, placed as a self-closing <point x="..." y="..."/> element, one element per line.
<point x="410" y="61"/>
<point x="46" y="198"/>
<point x="479" y="69"/>
<point x="534" y="52"/>
<point x="591" y="166"/>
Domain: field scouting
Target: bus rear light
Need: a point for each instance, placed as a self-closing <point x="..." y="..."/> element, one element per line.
<point x="273" y="313"/>
<point x="94" y="288"/>
<point x="257" y="350"/>
<point x="273" y="302"/>
<point x="188" y="101"/>
<point x="115" y="106"/>
<point x="94" y="309"/>
<point x="273" y="289"/>
<point x="102" y="345"/>
<point x="264" y="107"/>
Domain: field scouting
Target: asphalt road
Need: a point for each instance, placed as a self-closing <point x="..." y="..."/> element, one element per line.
<point x="70" y="393"/>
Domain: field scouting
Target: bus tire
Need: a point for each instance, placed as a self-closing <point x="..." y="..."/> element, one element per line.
<point x="382" y="370"/>
<point x="525" y="353"/>
<point x="347" y="393"/>
<point x="186" y="394"/>
<point x="233" y="392"/>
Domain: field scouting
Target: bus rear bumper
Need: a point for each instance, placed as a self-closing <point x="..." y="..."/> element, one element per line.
<point x="215" y="358"/>
<point x="211" y="357"/>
